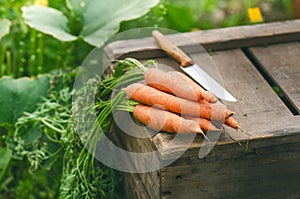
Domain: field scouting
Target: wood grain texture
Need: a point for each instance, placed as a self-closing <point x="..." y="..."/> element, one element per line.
<point x="271" y="171"/>
<point x="281" y="62"/>
<point x="259" y="110"/>
<point x="215" y="39"/>
<point x="139" y="191"/>
<point x="130" y="179"/>
<point x="148" y="183"/>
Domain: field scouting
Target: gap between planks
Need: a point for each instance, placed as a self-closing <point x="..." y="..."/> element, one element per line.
<point x="279" y="64"/>
<point x="284" y="97"/>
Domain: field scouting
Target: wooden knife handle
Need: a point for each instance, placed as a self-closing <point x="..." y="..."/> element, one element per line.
<point x="171" y="49"/>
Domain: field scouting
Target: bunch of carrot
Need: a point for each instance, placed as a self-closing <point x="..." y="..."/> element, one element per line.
<point x="172" y="102"/>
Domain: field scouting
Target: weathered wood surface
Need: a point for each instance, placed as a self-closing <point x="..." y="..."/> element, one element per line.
<point x="134" y="143"/>
<point x="215" y="39"/>
<point x="259" y="109"/>
<point x="282" y="63"/>
<point x="266" y="164"/>
<point x="260" y="112"/>
<point x="147" y="184"/>
<point x="270" y="171"/>
<point x="231" y="170"/>
<point x="139" y="191"/>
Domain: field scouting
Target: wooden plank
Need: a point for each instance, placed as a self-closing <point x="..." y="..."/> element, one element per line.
<point x="215" y="39"/>
<point x="281" y="63"/>
<point x="132" y="143"/>
<point x="134" y="187"/>
<point x="296" y="9"/>
<point x="259" y="110"/>
<point x="248" y="148"/>
<point x="271" y="172"/>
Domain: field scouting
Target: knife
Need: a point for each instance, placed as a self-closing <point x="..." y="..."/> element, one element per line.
<point x="192" y="69"/>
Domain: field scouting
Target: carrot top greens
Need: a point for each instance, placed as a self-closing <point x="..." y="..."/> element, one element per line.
<point x="59" y="140"/>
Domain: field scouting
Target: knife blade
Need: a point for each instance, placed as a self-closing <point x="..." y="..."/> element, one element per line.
<point x="192" y="69"/>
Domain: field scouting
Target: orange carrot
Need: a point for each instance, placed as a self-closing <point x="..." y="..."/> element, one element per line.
<point x="230" y="121"/>
<point x="162" y="120"/>
<point x="153" y="97"/>
<point x="205" y="124"/>
<point x="206" y="95"/>
<point x="178" y="84"/>
<point x="157" y="79"/>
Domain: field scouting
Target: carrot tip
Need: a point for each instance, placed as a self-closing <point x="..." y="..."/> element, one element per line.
<point x="199" y="130"/>
<point x="231" y="113"/>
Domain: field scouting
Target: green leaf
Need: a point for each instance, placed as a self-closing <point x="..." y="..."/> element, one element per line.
<point x="4" y="27"/>
<point x="5" y="155"/>
<point x="49" y="21"/>
<point x="78" y="6"/>
<point x="180" y="18"/>
<point x="20" y="95"/>
<point x="102" y="18"/>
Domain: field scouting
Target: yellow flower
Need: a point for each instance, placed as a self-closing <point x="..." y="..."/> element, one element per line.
<point x="255" y="15"/>
<point x="41" y="2"/>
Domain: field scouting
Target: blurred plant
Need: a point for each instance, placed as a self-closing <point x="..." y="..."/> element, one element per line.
<point x="19" y="102"/>
<point x="4" y="30"/>
<point x="45" y="141"/>
<point x="26" y="52"/>
<point x="41" y="2"/>
<point x="46" y="46"/>
<point x="4" y="27"/>
<point x="94" y="21"/>
<point x="187" y="16"/>
<point x="167" y="14"/>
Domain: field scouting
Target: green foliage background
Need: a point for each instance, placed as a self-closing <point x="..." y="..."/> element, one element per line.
<point x="37" y="73"/>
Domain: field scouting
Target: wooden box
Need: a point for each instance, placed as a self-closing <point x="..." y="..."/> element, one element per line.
<point x="254" y="62"/>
